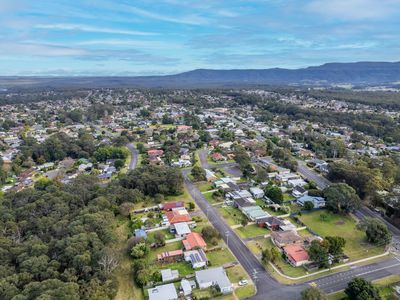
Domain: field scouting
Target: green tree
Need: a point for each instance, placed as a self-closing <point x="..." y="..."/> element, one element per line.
<point x="159" y="239"/>
<point x="313" y="293"/>
<point x="308" y="205"/>
<point x="198" y="173"/>
<point x="341" y="198"/>
<point x="377" y="232"/>
<point x="361" y="289"/>
<point x="274" y="193"/>
<point x="140" y="250"/>
<point x="336" y="244"/>
<point x="319" y="254"/>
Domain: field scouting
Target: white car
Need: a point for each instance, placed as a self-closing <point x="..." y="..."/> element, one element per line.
<point x="243" y="282"/>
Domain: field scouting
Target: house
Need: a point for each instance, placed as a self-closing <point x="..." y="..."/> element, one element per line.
<point x="257" y="192"/>
<point x="210" y="176"/>
<point x="214" y="277"/>
<point x="317" y="201"/>
<point x="177" y="216"/>
<point x="275" y="223"/>
<point x="171" y="205"/>
<point x="169" y="275"/>
<point x="140" y="233"/>
<point x="186" y="287"/>
<point x="296" y="182"/>
<point x="155" y="153"/>
<point x="180" y="229"/>
<point x="296" y="255"/>
<point x="193" y="241"/>
<point x="284" y="238"/>
<point x="163" y="292"/>
<point x="254" y="213"/>
<point x="217" y="156"/>
<point x="170" y="256"/>
<point x="197" y="258"/>
<point x="299" y="191"/>
<point x="183" y="129"/>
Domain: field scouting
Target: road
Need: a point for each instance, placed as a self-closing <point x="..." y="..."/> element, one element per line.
<point x="311" y="175"/>
<point x="134" y="156"/>
<point x="267" y="286"/>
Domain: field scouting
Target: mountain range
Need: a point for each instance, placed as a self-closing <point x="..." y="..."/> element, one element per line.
<point x="359" y="73"/>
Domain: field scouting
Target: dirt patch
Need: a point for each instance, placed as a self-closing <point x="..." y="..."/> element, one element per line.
<point x="341" y="222"/>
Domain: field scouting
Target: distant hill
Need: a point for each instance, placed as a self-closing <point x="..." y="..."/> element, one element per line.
<point x="359" y="73"/>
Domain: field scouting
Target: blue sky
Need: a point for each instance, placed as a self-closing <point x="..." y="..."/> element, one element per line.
<point x="143" y="37"/>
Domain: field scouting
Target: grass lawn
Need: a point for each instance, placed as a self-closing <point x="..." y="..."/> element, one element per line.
<point x="236" y="274"/>
<point x="210" y="199"/>
<point x="231" y="215"/>
<point x="356" y="247"/>
<point x="168" y="247"/>
<point x="166" y="232"/>
<point x="254" y="246"/>
<point x="185" y="197"/>
<point x="251" y="231"/>
<point x="244" y="292"/>
<point x="287" y="197"/>
<point x="220" y="257"/>
<point x="183" y="267"/>
<point x="204" y="186"/>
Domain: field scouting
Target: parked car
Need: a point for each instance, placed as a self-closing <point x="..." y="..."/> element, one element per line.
<point x="243" y="282"/>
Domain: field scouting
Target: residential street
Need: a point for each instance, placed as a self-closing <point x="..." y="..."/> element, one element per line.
<point x="311" y="175"/>
<point x="134" y="156"/>
<point x="267" y="286"/>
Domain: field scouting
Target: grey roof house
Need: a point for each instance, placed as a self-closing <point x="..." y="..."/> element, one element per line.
<point x="214" y="277"/>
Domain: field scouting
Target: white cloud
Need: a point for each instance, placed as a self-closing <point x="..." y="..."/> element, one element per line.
<point x="87" y="28"/>
<point x="131" y="43"/>
<point x="354" y="9"/>
<point x="188" y="19"/>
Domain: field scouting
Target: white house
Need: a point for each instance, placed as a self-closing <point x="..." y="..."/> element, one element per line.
<point x="257" y="192"/>
<point x="163" y="292"/>
<point x="214" y="277"/>
<point x="197" y="258"/>
<point x="169" y="275"/>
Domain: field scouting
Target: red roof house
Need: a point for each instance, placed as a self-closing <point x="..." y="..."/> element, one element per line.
<point x="170" y="256"/>
<point x="217" y="156"/>
<point x="155" y="153"/>
<point x="176" y="216"/>
<point x="171" y="205"/>
<point x="296" y="255"/>
<point x="194" y="240"/>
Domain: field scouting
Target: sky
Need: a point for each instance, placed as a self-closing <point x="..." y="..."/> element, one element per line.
<point x="143" y="37"/>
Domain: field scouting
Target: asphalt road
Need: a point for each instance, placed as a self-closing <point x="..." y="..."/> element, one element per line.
<point x="134" y="156"/>
<point x="311" y="175"/>
<point x="267" y="286"/>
